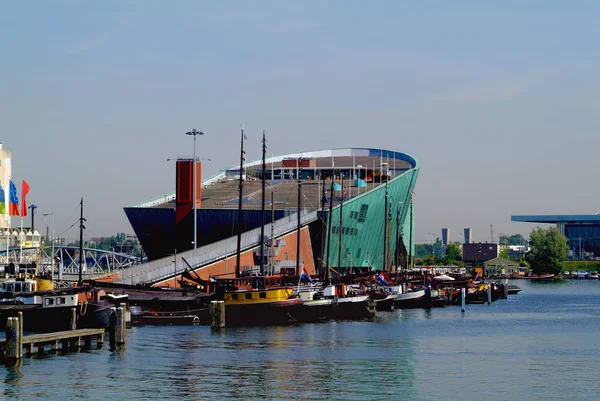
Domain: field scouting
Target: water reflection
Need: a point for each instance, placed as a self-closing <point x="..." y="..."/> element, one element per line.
<point x="504" y="347"/>
<point x="11" y="387"/>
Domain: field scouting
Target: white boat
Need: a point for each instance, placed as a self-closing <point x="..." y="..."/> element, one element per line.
<point x="593" y="276"/>
<point x="336" y="303"/>
<point x="413" y="299"/>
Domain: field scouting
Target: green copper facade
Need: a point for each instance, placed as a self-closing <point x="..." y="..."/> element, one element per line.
<point x="364" y="219"/>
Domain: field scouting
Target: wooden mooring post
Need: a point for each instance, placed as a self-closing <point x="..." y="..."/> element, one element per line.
<point x="117" y="327"/>
<point x="14" y="339"/>
<point x="120" y="326"/>
<point x="217" y="314"/>
<point x="73" y="321"/>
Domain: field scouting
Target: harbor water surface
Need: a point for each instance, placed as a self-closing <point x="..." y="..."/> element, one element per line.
<point x="541" y="344"/>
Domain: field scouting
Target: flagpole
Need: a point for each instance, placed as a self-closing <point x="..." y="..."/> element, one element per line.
<point x="21" y="242"/>
<point x="299" y="279"/>
<point x="6" y="207"/>
<point x="7" y="218"/>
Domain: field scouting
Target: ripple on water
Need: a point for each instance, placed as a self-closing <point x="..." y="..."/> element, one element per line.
<point x="539" y="345"/>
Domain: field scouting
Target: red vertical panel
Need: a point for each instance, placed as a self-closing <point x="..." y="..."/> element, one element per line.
<point x="183" y="190"/>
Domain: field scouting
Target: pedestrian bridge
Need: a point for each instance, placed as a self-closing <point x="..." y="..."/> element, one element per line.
<point x="97" y="262"/>
<point x="166" y="268"/>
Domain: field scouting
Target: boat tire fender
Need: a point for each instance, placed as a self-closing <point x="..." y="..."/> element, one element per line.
<point x="83" y="309"/>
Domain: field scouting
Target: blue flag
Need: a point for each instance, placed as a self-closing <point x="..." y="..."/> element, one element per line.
<point x="13" y="203"/>
<point x="2" y="201"/>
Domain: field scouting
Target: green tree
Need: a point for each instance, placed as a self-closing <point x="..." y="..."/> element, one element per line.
<point x="516" y="239"/>
<point x="503" y="253"/>
<point x="453" y="253"/>
<point x="548" y="250"/>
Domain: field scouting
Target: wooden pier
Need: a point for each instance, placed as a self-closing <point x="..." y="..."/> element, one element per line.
<point x="11" y="348"/>
<point x="70" y="340"/>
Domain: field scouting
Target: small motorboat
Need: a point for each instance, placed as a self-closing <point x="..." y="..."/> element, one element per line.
<point x="593" y="276"/>
<point x="438" y="299"/>
<point x="541" y="277"/>
<point x="514" y="289"/>
<point x="169" y="320"/>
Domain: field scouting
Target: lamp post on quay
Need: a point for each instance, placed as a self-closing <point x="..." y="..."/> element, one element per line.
<point x="194" y="133"/>
<point x="52" y="241"/>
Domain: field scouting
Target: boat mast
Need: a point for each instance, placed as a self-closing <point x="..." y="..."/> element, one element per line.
<point x="323" y="200"/>
<point x="241" y="194"/>
<point x="385" y="220"/>
<point x="81" y="228"/>
<point x="340" y="227"/>
<point x="271" y="265"/>
<point x="262" y="210"/>
<point x="298" y="170"/>
<point x="411" y="231"/>
<point x="329" y="231"/>
<point x="389" y="236"/>
<point x="397" y="251"/>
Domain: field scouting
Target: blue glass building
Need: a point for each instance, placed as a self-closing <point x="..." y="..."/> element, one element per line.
<point x="582" y="231"/>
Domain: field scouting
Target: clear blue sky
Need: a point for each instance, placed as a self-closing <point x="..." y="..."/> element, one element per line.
<point x="498" y="100"/>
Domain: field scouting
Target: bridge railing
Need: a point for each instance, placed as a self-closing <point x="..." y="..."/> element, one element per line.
<point x="165" y="268"/>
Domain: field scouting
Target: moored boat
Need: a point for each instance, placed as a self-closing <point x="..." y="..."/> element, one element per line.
<point x="52" y="310"/>
<point x="336" y="302"/>
<point x="413" y="298"/>
<point x="514" y="289"/>
<point x="540" y="277"/>
<point x="438" y="299"/>
<point x="169" y="319"/>
<point x="249" y="302"/>
<point x="385" y="296"/>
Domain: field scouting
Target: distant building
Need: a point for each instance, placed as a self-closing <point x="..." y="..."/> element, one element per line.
<point x="582" y="231"/>
<point x="515" y="251"/>
<point x="468" y="236"/>
<point x="5" y="175"/>
<point x="501" y="266"/>
<point x="477" y="253"/>
<point x="445" y="239"/>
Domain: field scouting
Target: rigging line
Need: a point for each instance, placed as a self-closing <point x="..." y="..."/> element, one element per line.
<point x="73" y="213"/>
<point x="72" y="225"/>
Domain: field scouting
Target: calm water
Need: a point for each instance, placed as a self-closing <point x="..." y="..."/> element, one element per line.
<point x="542" y="344"/>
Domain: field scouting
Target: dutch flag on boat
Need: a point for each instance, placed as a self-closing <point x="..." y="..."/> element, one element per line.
<point x="305" y="276"/>
<point x="382" y="278"/>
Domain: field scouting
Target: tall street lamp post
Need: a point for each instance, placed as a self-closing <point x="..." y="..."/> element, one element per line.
<point x="194" y="133"/>
<point x="52" y="241"/>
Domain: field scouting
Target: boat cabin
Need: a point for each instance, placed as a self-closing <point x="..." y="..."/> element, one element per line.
<point x="247" y="283"/>
<point x="59" y="301"/>
<point x="18" y="286"/>
<point x="257" y="296"/>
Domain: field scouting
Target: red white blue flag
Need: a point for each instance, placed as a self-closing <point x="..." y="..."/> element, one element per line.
<point x="383" y="279"/>
<point x="305" y="276"/>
